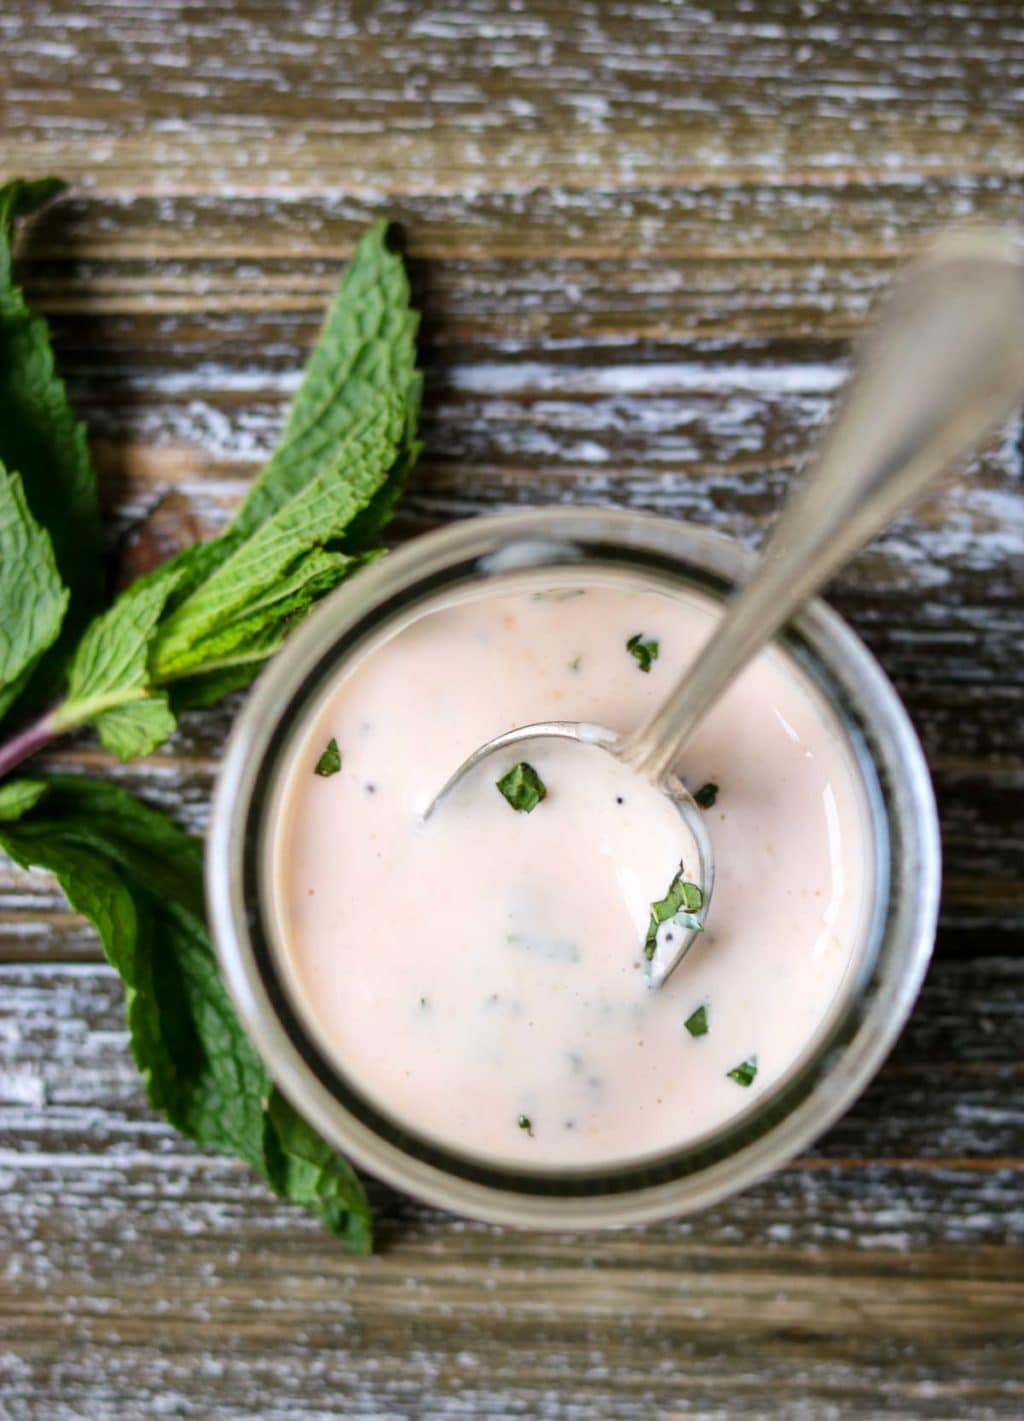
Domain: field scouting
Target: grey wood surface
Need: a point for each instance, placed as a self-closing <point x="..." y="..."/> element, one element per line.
<point x="642" y="235"/>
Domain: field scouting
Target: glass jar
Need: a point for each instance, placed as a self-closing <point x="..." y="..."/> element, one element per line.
<point x="833" y="1068"/>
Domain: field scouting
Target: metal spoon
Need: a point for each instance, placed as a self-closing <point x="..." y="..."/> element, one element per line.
<point x="941" y="368"/>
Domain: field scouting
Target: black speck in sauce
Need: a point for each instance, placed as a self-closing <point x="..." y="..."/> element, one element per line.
<point x="371" y="789"/>
<point x="619" y="799"/>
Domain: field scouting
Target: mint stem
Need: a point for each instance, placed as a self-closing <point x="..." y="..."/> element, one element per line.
<point x="34" y="737"/>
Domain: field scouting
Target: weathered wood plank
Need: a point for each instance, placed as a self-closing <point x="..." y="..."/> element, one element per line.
<point x="643" y="235"/>
<point x="883" y="1255"/>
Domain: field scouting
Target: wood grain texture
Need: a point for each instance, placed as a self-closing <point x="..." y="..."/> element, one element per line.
<point x="642" y="235"/>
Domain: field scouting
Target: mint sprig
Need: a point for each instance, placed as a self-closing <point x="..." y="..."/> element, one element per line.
<point x="220" y="609"/>
<point x="185" y="634"/>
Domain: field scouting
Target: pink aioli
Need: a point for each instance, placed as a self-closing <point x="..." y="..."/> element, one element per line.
<point x="481" y="977"/>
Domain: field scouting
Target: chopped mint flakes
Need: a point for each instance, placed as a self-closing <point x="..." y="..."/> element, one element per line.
<point x="697" y="1022"/>
<point x="523" y="787"/>
<point x="525" y="1123"/>
<point x="744" y="1073"/>
<point x="706" y="795"/>
<point x="682" y="901"/>
<point x="329" y="762"/>
<point x="645" y="650"/>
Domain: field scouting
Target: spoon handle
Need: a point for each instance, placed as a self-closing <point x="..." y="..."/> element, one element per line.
<point x="940" y="369"/>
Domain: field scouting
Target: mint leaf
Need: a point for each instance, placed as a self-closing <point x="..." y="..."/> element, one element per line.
<point x="32" y="596"/>
<point x="109" y="682"/>
<point x="745" y="1072"/>
<point x="314" y="515"/>
<point x="17" y="797"/>
<point x="367" y="347"/>
<point x="366" y="352"/>
<point x="302" y="1168"/>
<point x="329" y="762"/>
<point x="682" y="901"/>
<point x="366" y="526"/>
<point x="41" y="440"/>
<point x="645" y="651"/>
<point x="697" y="1022"/>
<point x="139" y="880"/>
<point x="523" y="787"/>
<point x="205" y="623"/>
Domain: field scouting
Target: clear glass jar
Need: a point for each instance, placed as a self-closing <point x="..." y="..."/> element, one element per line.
<point x="837" y="1063"/>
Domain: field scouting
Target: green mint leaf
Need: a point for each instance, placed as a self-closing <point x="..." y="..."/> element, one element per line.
<point x="205" y="623"/>
<point x="525" y="1123"/>
<point x="697" y="1022"/>
<point x="679" y="904"/>
<point x="366" y="526"/>
<point x="32" y="596"/>
<point x="645" y="650"/>
<point x="134" y="730"/>
<point x="249" y="638"/>
<point x="109" y="682"/>
<point x="744" y="1073"/>
<point x="523" y="787"/>
<point x="316" y="514"/>
<point x="706" y="795"/>
<point x="329" y="762"/>
<point x="367" y="347"/>
<point x="139" y="880"/>
<point x="366" y="351"/>
<point x="305" y="1170"/>
<point x="41" y="440"/>
<point x="17" y="797"/>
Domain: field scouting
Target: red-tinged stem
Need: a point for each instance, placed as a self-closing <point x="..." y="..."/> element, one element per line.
<point x="27" y="742"/>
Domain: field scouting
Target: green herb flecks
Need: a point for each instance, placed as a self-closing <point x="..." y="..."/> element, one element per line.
<point x="523" y="787"/>
<point x="680" y="905"/>
<point x="644" y="649"/>
<point x="706" y="795"/>
<point x="329" y="762"/>
<point x="525" y="1123"/>
<point x="744" y="1073"/>
<point x="697" y="1022"/>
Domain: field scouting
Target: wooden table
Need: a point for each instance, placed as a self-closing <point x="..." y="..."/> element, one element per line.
<point x="642" y="236"/>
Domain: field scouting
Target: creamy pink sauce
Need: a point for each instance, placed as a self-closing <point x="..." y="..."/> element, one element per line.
<point x="481" y="977"/>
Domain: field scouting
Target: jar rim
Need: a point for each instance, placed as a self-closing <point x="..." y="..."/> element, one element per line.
<point x="813" y="1091"/>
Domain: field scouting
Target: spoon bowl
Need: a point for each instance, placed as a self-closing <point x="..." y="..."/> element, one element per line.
<point x="668" y="953"/>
